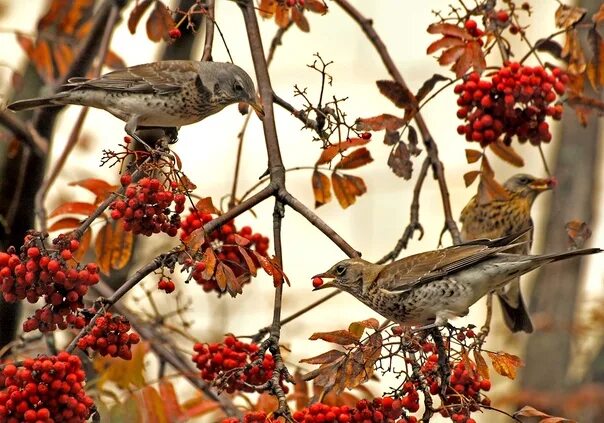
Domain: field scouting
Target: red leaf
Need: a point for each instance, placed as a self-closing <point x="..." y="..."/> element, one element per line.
<point x="321" y="188"/>
<point x="326" y="357"/>
<point x="449" y="29"/>
<point x="445" y="42"/>
<point x="330" y="152"/>
<point x="74" y="207"/>
<point x="136" y="14"/>
<point x="160" y="23"/>
<point x="341" y="337"/>
<point x="377" y="123"/>
<point x="98" y="187"/>
<point x="357" y="158"/>
<point x="397" y="93"/>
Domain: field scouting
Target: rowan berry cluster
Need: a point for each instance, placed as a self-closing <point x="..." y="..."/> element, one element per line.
<point x="43" y="390"/>
<point x="145" y="208"/>
<point x="36" y="271"/>
<point x="237" y="365"/>
<point x="379" y="410"/>
<point x="249" y="417"/>
<point x="167" y="285"/>
<point x="472" y="27"/>
<point x="222" y="240"/>
<point x="109" y="336"/>
<point x="514" y="101"/>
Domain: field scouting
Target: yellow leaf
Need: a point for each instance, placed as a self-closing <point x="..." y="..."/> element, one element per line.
<point x="124" y="373"/>
<point x="506" y="364"/>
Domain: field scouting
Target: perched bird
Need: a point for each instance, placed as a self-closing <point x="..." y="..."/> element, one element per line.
<point x="428" y="289"/>
<point x="166" y="94"/>
<point x="499" y="218"/>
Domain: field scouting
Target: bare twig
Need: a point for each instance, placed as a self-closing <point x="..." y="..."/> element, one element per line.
<point x="209" y="35"/>
<point x="25" y="134"/>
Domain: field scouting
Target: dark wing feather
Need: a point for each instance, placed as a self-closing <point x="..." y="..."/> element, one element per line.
<point x="159" y="78"/>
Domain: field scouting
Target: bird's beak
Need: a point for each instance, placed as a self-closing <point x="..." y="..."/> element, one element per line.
<point x="258" y="108"/>
<point x="544" y="184"/>
<point x="329" y="284"/>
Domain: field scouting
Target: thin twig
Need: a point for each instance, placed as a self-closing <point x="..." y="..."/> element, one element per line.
<point x="23" y="133"/>
<point x="209" y="35"/>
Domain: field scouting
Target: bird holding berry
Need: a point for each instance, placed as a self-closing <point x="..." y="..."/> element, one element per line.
<point x="499" y="218"/>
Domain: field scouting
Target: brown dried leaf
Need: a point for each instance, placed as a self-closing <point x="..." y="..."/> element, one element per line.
<point x="317" y="6"/>
<point x="506" y="364"/>
<point x="357" y="158"/>
<point x="567" y="16"/>
<point x="340" y="337"/>
<point x="578" y="233"/>
<point x="397" y="93"/>
<point x="412" y="139"/>
<point x="528" y="411"/>
<point x="391" y="137"/>
<point x="429" y="86"/>
<point x="506" y="153"/>
<point x="74" y="207"/>
<point x="300" y="394"/>
<point x="300" y="20"/>
<point x="470" y="177"/>
<point x="472" y="57"/>
<point x="451" y="55"/>
<point x="330" y="152"/>
<point x="241" y="241"/>
<point x="595" y="68"/>
<point x="321" y="188"/>
<point x="282" y="15"/>
<point x="449" y="30"/>
<point x="113" y="247"/>
<point x="399" y="161"/>
<point x="205" y="205"/>
<point x="136" y="14"/>
<point x="327" y="357"/>
<point x="113" y="61"/>
<point x="209" y="258"/>
<point x="226" y="279"/>
<point x="358" y="328"/>
<point x="473" y="156"/>
<point x="481" y="365"/>
<point x="346" y="188"/>
<point x="377" y="123"/>
<point x="248" y="261"/>
<point x="489" y="190"/>
<point x="573" y="52"/>
<point x="159" y="23"/>
<point x="445" y="42"/>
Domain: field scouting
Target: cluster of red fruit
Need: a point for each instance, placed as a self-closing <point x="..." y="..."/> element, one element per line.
<point x="515" y="101"/>
<point x="472" y="27"/>
<point x="43" y="390"/>
<point x="249" y="417"/>
<point x="167" y="285"/>
<point x="223" y="241"/>
<point x="379" y="410"/>
<point x="37" y="272"/>
<point x="145" y="208"/>
<point x="218" y="360"/>
<point x="109" y="336"/>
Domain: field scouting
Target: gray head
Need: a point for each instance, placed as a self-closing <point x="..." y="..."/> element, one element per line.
<point x="528" y="186"/>
<point x="230" y="84"/>
<point x="350" y="275"/>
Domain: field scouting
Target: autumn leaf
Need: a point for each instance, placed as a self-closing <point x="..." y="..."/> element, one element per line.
<point x="481" y="365"/>
<point x="114" y="61"/>
<point x="321" y="188"/>
<point x="65" y="223"/>
<point x="206" y="206"/>
<point x="472" y="155"/>
<point x="300" y="20"/>
<point x="136" y="14"/>
<point x="378" y="123"/>
<point x="124" y="373"/>
<point x="595" y="68"/>
<point x="125" y="412"/>
<point x="490" y="190"/>
<point x="330" y="152"/>
<point x="209" y="258"/>
<point x="152" y="405"/>
<point x="159" y="23"/>
<point x="327" y="357"/>
<point x="528" y="411"/>
<point x="599" y="15"/>
<point x="113" y="247"/>
<point x="505" y="364"/>
<point x="578" y="233"/>
<point x="567" y="16"/>
<point x="341" y="337"/>
<point x="399" y="161"/>
<point x="172" y="407"/>
<point x="358" y="328"/>
<point x="248" y="261"/>
<point x="450" y="30"/>
<point x="346" y="188"/>
<point x="398" y="94"/>
<point x="281" y="15"/>
<point x="470" y="177"/>
<point x="392" y="137"/>
<point x="79" y="254"/>
<point x="316" y="6"/>
<point x="226" y="279"/>
<point x="74" y="207"/>
<point x="101" y="189"/>
<point x="429" y="86"/>
<point x="357" y="158"/>
<point x="506" y="153"/>
<point x="300" y="394"/>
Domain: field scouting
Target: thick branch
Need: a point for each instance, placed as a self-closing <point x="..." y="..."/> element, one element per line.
<point x="209" y="35"/>
<point x="27" y="135"/>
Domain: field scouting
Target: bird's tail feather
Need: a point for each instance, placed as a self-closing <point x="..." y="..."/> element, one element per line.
<point x="568" y="254"/>
<point x="33" y="103"/>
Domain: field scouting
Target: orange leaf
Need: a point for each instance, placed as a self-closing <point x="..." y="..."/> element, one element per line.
<point x="282" y="15"/>
<point x="198" y="406"/>
<point x="153" y="408"/>
<point x="78" y="254"/>
<point x="341" y="337"/>
<point x="160" y="22"/>
<point x="326" y="357"/>
<point x="340" y="189"/>
<point x="489" y="190"/>
<point x="451" y="55"/>
<point x="209" y="258"/>
<point x="171" y="406"/>
<point x="63" y="56"/>
<point x="136" y="14"/>
<point x="528" y="411"/>
<point x="300" y="20"/>
<point x="445" y="42"/>
<point x="472" y="155"/>
<point x="76" y="12"/>
<point x="248" y="261"/>
<point x="226" y="279"/>
<point x="470" y="177"/>
<point x="397" y="93"/>
<point x="481" y="365"/>
<point x="449" y="29"/>
<point x="98" y="187"/>
<point x="330" y="152"/>
<point x="316" y="6"/>
<point x="505" y="364"/>
<point x="64" y="223"/>
<point x="567" y="16"/>
<point x="300" y="394"/>
<point x="74" y="207"/>
<point x="357" y="158"/>
<point x="506" y="153"/>
<point x="241" y="241"/>
<point x="113" y="247"/>
<point x="377" y="123"/>
<point x="195" y="239"/>
<point x="599" y="15"/>
<point x="205" y="205"/>
<point x="113" y="61"/>
<point x="321" y="188"/>
<point x="266" y="8"/>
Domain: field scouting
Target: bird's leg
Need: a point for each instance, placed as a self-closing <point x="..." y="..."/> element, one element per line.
<point x="172" y="134"/>
<point x="130" y="129"/>
<point x="440" y="321"/>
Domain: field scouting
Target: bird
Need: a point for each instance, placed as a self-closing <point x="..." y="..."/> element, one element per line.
<point x="425" y="290"/>
<point x="165" y="94"/>
<point x="499" y="218"/>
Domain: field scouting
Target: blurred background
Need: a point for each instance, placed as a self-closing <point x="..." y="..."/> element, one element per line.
<point x="375" y="223"/>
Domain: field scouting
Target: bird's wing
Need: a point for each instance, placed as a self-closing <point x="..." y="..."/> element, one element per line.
<point x="422" y="268"/>
<point x="159" y="78"/>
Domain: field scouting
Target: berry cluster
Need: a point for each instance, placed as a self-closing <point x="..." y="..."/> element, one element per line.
<point x="37" y="271"/>
<point x="515" y="101"/>
<point x="379" y="410"/>
<point x="249" y="417"/>
<point x="109" y="336"/>
<point x="146" y="207"/>
<point x="292" y="3"/>
<point x="167" y="285"/>
<point x="43" y="390"/>
<point x="223" y="242"/>
<point x="218" y="361"/>
<point x="472" y="27"/>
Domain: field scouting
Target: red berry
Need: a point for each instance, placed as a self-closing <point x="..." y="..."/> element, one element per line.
<point x="174" y="33"/>
<point x="317" y="282"/>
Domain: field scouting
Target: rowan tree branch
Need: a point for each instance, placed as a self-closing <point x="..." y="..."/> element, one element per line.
<point x="209" y="33"/>
<point x="23" y="133"/>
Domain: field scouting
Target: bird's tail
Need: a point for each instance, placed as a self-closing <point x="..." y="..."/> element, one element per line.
<point x="33" y="103"/>
<point x="568" y="254"/>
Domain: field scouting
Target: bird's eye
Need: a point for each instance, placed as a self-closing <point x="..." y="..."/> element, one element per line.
<point x="238" y="87"/>
<point x="340" y="270"/>
<point x="524" y="180"/>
